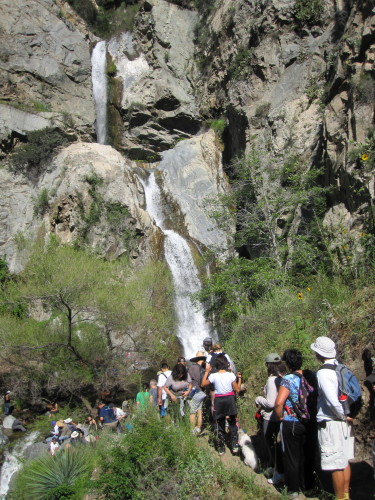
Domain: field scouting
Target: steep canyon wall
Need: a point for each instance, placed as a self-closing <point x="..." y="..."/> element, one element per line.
<point x="284" y="87"/>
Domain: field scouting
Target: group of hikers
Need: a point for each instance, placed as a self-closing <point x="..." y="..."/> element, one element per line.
<point x="300" y="413"/>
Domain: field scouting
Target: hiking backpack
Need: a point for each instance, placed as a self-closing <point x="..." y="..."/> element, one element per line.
<point x="349" y="389"/>
<point x="300" y="407"/>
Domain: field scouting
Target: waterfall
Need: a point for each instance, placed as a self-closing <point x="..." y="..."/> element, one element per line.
<point x="13" y="462"/>
<point x="192" y="326"/>
<point x="99" y="89"/>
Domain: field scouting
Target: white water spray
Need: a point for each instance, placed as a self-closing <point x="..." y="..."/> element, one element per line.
<point x="99" y="89"/>
<point x="192" y="326"/>
<point x="13" y="462"/>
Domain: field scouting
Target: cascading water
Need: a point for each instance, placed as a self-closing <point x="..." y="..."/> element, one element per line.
<point x="99" y="89"/>
<point x="192" y="326"/>
<point x="13" y="462"/>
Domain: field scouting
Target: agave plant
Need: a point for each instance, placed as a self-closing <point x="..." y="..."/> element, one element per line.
<point x="52" y="477"/>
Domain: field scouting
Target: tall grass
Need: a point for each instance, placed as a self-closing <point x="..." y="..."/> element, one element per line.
<point x="289" y="317"/>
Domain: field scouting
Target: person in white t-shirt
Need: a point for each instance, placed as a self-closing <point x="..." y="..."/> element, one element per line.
<point x="54" y="446"/>
<point x="226" y="384"/>
<point x="335" y="429"/>
<point x="162" y="395"/>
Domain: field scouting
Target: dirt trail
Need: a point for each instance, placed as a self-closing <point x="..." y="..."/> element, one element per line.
<point x="362" y="482"/>
<point x="235" y="462"/>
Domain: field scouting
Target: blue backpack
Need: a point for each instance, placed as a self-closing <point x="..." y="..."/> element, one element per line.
<point x="349" y="389"/>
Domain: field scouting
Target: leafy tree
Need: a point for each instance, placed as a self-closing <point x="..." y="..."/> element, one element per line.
<point x="267" y="194"/>
<point x="237" y="283"/>
<point x="75" y="305"/>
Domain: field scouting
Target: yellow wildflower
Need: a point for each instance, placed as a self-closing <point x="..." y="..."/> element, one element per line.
<point x="348" y="257"/>
<point x="299" y="296"/>
<point x="308" y="289"/>
<point x="364" y="157"/>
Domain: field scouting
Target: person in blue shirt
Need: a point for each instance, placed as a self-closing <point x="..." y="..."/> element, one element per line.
<point x="293" y="432"/>
<point x="107" y="416"/>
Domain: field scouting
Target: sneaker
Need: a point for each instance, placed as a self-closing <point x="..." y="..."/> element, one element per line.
<point x="221" y="451"/>
<point x="235" y="449"/>
<point x="293" y="496"/>
<point x="196" y="430"/>
<point x="276" y="479"/>
<point x="269" y="472"/>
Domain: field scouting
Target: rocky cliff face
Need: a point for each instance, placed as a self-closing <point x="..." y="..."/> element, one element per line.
<point x="45" y="71"/>
<point x="287" y="87"/>
<point x="284" y="84"/>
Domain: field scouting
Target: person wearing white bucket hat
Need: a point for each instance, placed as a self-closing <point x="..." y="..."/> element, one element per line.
<point x="335" y="432"/>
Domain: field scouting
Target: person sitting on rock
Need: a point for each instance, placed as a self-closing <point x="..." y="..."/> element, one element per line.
<point x="107" y="416"/>
<point x="17" y="425"/>
<point x="54" y="409"/>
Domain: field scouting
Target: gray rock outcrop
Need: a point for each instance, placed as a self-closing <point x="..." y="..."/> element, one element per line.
<point x="156" y="102"/>
<point x="118" y="196"/>
<point x="288" y="88"/>
<point x="45" y="68"/>
<point x="192" y="175"/>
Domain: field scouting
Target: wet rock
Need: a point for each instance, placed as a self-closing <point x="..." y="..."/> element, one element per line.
<point x="192" y="174"/>
<point x="3" y="439"/>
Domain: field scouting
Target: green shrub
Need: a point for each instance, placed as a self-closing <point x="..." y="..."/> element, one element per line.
<point x="32" y="158"/>
<point x="218" y="126"/>
<point x="241" y="64"/>
<point x="4" y="271"/>
<point x="84" y="8"/>
<point x="314" y="89"/>
<point x="308" y="12"/>
<point x="158" y="460"/>
<point x="52" y="478"/>
<point x="110" y="18"/>
<point x="111" y="69"/>
<point x="363" y="88"/>
<point x="41" y="202"/>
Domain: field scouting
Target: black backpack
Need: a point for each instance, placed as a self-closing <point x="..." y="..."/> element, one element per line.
<point x="214" y="355"/>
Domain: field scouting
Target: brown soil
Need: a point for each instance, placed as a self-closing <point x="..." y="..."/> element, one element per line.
<point x="362" y="481"/>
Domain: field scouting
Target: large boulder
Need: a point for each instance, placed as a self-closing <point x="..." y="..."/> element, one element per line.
<point x="121" y="225"/>
<point x="8" y="421"/>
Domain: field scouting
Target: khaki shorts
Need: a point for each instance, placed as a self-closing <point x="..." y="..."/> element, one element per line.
<point x="196" y="402"/>
<point x="336" y="442"/>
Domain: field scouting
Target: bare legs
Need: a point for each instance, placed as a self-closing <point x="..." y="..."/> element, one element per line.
<point x="341" y="480"/>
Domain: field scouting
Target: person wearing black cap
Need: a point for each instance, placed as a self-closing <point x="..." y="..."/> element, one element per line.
<point x="270" y="424"/>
